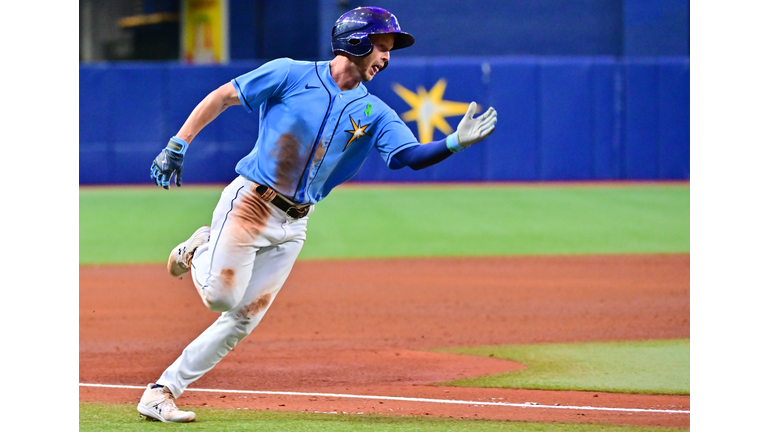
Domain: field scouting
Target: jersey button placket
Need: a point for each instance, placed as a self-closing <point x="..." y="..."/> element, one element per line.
<point x="326" y="138"/>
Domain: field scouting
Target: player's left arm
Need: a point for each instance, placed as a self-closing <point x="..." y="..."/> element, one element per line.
<point x="470" y="131"/>
<point x="421" y="156"/>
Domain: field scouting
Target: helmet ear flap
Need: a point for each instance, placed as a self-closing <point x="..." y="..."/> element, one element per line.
<point x="358" y="45"/>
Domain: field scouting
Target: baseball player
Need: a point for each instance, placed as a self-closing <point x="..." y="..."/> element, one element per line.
<point x="317" y="125"/>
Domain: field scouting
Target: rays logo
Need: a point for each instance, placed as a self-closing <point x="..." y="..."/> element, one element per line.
<point x="358" y="131"/>
<point x="428" y="109"/>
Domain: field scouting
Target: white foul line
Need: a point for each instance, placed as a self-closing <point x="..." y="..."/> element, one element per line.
<point x="406" y="399"/>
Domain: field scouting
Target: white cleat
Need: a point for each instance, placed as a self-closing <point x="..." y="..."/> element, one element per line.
<point x="158" y="404"/>
<point x="181" y="256"/>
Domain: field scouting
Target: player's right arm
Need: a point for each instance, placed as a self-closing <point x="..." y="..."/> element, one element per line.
<point x="207" y="110"/>
<point x="252" y="89"/>
<point x="170" y="161"/>
<point x="249" y="90"/>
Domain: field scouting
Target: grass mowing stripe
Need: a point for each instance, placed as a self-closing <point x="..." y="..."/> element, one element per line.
<point x="499" y="221"/>
<point x="123" y="417"/>
<point x="649" y="367"/>
<point x="135" y="225"/>
<point x="140" y="225"/>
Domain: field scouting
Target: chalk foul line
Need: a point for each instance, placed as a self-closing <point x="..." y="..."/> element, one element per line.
<point x="406" y="399"/>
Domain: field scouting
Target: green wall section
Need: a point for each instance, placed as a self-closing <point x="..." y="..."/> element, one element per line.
<point x="651" y="367"/>
<point x="141" y="225"/>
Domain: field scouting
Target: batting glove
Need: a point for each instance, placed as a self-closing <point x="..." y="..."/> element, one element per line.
<point x="168" y="162"/>
<point x="472" y="130"/>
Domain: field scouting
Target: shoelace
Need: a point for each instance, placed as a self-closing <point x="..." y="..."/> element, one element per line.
<point x="170" y="405"/>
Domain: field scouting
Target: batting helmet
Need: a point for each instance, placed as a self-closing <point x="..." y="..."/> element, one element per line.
<point x="351" y="31"/>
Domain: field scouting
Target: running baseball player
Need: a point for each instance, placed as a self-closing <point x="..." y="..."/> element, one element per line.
<point x="317" y="125"/>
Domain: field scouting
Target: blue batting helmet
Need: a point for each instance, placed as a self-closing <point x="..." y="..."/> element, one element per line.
<point x="351" y="31"/>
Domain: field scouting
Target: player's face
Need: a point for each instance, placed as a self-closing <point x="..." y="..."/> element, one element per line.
<point x="369" y="65"/>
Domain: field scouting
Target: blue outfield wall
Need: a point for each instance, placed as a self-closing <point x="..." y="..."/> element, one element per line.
<point x="566" y="118"/>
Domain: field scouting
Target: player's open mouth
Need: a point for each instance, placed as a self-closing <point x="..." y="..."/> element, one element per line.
<point x="375" y="69"/>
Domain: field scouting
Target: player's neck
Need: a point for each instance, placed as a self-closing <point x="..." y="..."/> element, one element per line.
<point x="344" y="73"/>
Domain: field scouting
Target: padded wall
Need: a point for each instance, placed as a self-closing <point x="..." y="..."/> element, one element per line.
<point x="590" y="118"/>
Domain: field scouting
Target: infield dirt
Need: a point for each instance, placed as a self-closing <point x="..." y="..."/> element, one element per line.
<point x="363" y="327"/>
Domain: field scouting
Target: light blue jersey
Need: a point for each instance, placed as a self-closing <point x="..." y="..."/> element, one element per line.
<point x="313" y="136"/>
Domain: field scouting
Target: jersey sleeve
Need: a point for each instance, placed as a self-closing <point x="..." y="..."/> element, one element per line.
<point x="258" y="85"/>
<point x="393" y="136"/>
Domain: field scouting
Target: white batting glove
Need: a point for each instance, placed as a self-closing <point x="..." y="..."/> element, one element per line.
<point x="472" y="130"/>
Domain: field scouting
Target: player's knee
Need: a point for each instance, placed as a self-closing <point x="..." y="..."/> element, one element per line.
<point x="222" y="292"/>
<point x="218" y="302"/>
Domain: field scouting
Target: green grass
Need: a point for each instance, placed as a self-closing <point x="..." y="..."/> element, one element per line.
<point x="135" y="225"/>
<point x="122" y="417"/>
<point x="650" y="367"/>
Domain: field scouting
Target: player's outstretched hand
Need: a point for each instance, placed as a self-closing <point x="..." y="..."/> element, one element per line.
<point x="168" y="162"/>
<point x="472" y="130"/>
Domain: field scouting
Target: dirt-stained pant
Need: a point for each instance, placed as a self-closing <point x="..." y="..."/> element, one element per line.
<point x="252" y="249"/>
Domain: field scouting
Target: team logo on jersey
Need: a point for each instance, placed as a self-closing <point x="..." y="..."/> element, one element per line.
<point x="358" y="130"/>
<point x="429" y="109"/>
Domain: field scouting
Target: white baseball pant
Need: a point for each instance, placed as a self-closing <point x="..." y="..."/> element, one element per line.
<point x="252" y="249"/>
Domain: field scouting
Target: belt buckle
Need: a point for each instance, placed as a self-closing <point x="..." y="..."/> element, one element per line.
<point x="300" y="212"/>
<point x="269" y="194"/>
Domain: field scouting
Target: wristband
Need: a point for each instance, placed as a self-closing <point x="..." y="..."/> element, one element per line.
<point x="452" y="142"/>
<point x="177" y="145"/>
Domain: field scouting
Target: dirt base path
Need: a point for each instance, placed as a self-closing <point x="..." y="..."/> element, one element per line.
<point x="362" y="328"/>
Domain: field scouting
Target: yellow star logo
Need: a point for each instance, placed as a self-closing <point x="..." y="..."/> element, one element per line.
<point x="357" y="131"/>
<point x="429" y="109"/>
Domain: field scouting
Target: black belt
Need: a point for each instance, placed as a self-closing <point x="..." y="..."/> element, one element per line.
<point x="291" y="209"/>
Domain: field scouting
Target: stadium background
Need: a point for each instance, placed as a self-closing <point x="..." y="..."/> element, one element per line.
<point x="585" y="90"/>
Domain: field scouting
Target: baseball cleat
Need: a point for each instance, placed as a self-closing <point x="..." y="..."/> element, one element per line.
<point x="181" y="256"/>
<point x="158" y="404"/>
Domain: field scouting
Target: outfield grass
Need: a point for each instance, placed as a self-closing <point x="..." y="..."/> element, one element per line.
<point x="97" y="417"/>
<point x="135" y="225"/>
<point x="649" y="367"/>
